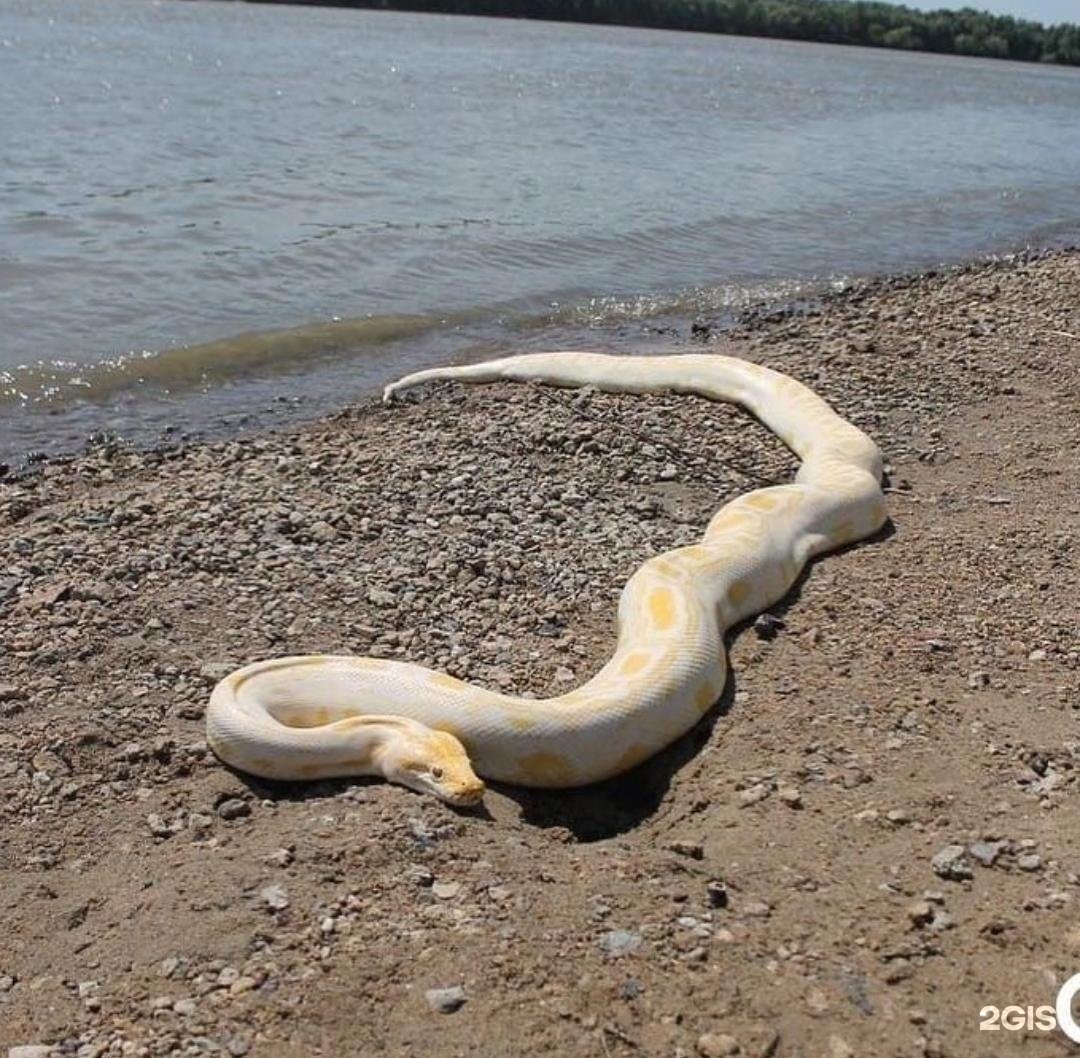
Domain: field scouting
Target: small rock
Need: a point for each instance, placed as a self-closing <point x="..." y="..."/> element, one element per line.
<point x="921" y="912"/>
<point x="234" y="808"/>
<point x="446" y="890"/>
<point x="10" y="693"/>
<point x="756" y="909"/>
<point x="619" y="942"/>
<point x="986" y="852"/>
<point x="445" y="1000"/>
<point x="420" y="876"/>
<point x="791" y="796"/>
<point x="186" y="1007"/>
<point x="951" y="862"/>
<point x="275" y="897"/>
<point x="753" y="794"/>
<point x="237" y="1046"/>
<point x="216" y="670"/>
<point x="840" y="1048"/>
<point x="717" y="894"/>
<point x="159" y="827"/>
<point x="669" y="472"/>
<point x="228" y="976"/>
<point x="692" y="849"/>
<point x="31" y="1050"/>
<point x="323" y="532"/>
<point x="766" y="625"/>
<point x="898" y="817"/>
<point x="717" y="1045"/>
<point x="282" y="857"/>
<point x="1031" y="861"/>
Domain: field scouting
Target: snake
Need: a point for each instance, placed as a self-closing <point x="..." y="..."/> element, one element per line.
<point x="320" y="716"/>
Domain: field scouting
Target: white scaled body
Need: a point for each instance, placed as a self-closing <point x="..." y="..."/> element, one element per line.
<point x="285" y="718"/>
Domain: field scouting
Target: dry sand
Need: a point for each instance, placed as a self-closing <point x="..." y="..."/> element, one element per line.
<point x="869" y="840"/>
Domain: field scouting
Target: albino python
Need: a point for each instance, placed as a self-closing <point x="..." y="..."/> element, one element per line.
<point x="325" y="715"/>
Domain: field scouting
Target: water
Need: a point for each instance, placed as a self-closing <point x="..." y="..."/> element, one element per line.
<point x="379" y="191"/>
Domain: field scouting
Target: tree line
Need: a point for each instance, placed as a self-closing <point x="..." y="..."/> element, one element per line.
<point x="873" y="24"/>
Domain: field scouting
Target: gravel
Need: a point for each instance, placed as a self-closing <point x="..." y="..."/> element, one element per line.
<point x="488" y="532"/>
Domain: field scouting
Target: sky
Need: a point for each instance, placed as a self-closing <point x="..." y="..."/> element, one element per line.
<point x="1045" y="11"/>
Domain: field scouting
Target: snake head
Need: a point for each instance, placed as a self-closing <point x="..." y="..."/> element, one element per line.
<point x="433" y="762"/>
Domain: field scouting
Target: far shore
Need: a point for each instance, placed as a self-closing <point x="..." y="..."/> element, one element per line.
<point x="971" y="33"/>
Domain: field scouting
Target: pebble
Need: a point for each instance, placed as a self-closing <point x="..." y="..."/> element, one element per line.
<point x="791" y="796"/>
<point x="766" y="625"/>
<point x="717" y="894"/>
<point x="445" y="1000"/>
<point x="753" y="794"/>
<point x="717" y="1045"/>
<point x="692" y="849"/>
<point x="840" y="1048"/>
<point x="951" y="862"/>
<point x="31" y="1050"/>
<point x="282" y="857"/>
<point x="619" y="942"/>
<point x="234" y="808"/>
<point x="446" y="890"/>
<point x="10" y="693"/>
<point x="322" y="532"/>
<point x="986" y="852"/>
<point x="1031" y="861"/>
<point x="275" y="897"/>
<point x="160" y="828"/>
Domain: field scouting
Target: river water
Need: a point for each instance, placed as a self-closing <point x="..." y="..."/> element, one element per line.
<point x="212" y="212"/>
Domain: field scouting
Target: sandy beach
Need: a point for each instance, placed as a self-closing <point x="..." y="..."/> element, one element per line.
<point x="868" y="841"/>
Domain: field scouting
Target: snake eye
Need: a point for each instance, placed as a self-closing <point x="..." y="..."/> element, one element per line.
<point x="436" y="773"/>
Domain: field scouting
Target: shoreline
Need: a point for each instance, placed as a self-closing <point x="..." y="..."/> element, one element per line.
<point x="686" y="333"/>
<point x="864" y="844"/>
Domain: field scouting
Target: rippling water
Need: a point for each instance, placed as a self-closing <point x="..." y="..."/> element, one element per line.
<point x="381" y="190"/>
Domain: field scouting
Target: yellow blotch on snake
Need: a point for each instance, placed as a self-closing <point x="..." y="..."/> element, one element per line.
<point x="738" y="592"/>
<point x="662" y="608"/>
<point x="634" y="663"/>
<point x="546" y="769"/>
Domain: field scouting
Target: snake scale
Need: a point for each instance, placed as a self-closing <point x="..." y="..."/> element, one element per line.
<point x="319" y="716"/>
